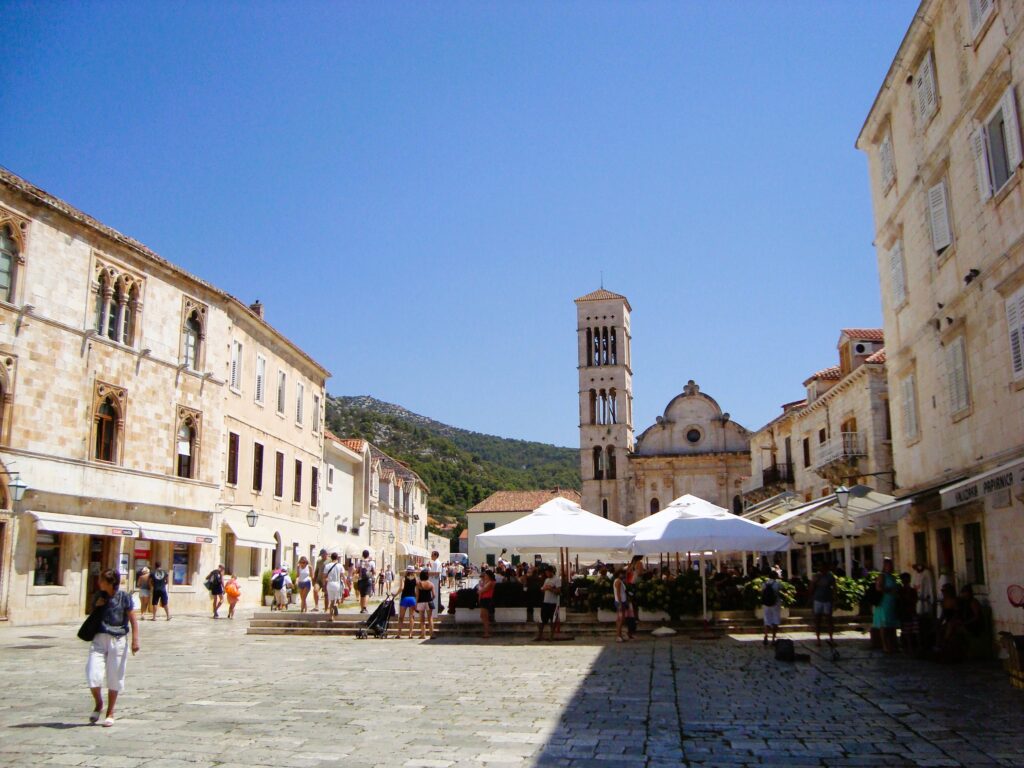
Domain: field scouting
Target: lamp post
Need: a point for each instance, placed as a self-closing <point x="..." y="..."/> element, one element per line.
<point x="17" y="487"/>
<point x="843" y="497"/>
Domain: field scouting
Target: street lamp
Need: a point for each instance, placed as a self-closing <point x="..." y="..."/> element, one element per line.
<point x="843" y="497"/>
<point x="391" y="538"/>
<point x="17" y="487"/>
<point x="251" y="517"/>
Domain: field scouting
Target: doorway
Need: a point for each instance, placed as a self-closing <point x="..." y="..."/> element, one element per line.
<point x="98" y="557"/>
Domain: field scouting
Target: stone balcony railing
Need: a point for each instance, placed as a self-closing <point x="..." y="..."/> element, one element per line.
<point x="843" y="447"/>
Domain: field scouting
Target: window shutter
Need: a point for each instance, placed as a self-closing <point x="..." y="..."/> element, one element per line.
<point x="979" y="12"/>
<point x="1012" y="128"/>
<point x="956" y="373"/>
<point x="938" y="212"/>
<point x="896" y="274"/>
<point x="926" y="96"/>
<point x="978" y="144"/>
<point x="261" y="368"/>
<point x="909" y="408"/>
<point x="235" y="353"/>
<point x="886" y="158"/>
<point x="1015" y="322"/>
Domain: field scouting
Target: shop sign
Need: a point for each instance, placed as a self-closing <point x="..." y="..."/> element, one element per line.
<point x="115" y="531"/>
<point x="204" y="539"/>
<point x="985" y="485"/>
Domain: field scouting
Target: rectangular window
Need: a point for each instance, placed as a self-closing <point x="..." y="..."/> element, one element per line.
<point x="181" y="564"/>
<point x="330" y="476"/>
<point x="279" y="475"/>
<point x="980" y="11"/>
<point x="257" y="467"/>
<point x="995" y="145"/>
<point x="47" y="571"/>
<point x="908" y="394"/>
<point x="314" y="491"/>
<point x="235" y="377"/>
<point x="300" y="392"/>
<point x="316" y="414"/>
<point x="974" y="557"/>
<point x="822" y="436"/>
<point x="938" y="217"/>
<point x="925" y="93"/>
<point x="490" y="557"/>
<point x="920" y="547"/>
<point x="232" y="458"/>
<point x="887" y="162"/>
<point x="255" y="561"/>
<point x="297" y="496"/>
<point x="807" y="452"/>
<point x="897" y="275"/>
<point x="1015" y="324"/>
<point x="261" y="377"/>
<point x="956" y="375"/>
<point x="282" y="383"/>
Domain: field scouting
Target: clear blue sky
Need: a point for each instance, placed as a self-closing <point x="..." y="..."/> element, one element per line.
<point x="418" y="192"/>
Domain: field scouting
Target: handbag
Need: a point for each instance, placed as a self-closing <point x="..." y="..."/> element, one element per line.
<point x="91" y="626"/>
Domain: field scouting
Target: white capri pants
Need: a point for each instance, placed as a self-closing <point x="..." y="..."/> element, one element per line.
<point x="334" y="591"/>
<point x="108" y="661"/>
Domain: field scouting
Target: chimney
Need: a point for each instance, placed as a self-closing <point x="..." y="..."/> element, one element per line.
<point x="257" y="309"/>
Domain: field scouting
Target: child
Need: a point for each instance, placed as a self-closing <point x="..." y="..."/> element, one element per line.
<point x="233" y="592"/>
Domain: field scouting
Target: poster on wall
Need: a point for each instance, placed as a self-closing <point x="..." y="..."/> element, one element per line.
<point x="122" y="565"/>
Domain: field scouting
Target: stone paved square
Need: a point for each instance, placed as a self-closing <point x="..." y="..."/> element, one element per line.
<point x="203" y="693"/>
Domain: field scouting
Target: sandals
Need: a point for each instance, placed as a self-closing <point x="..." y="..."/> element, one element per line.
<point x="108" y="722"/>
<point x="95" y="716"/>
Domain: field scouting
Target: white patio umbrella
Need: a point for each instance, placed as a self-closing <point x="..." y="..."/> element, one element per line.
<point x="691" y="524"/>
<point x="558" y="524"/>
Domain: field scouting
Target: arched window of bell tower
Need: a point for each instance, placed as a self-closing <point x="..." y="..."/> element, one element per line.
<point x="610" y="464"/>
<point x="612" y="408"/>
<point x="593" y="406"/>
<point x="598" y="462"/>
<point x="604" y="508"/>
<point x="604" y="346"/>
<point x="595" y="350"/>
<point x="655" y="506"/>
<point x="590" y="344"/>
<point x="615" y="352"/>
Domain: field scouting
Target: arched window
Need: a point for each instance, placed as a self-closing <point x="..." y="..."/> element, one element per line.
<point x="613" y="416"/>
<point x="600" y="407"/>
<point x="590" y="345"/>
<point x="131" y="310"/>
<point x="8" y="258"/>
<point x="604" y="508"/>
<point x="610" y="464"/>
<point x="655" y="506"/>
<point x="737" y="505"/>
<point x="615" y="352"/>
<point x="604" y="346"/>
<point x="598" y="463"/>
<point x="106" y="431"/>
<point x="186" y="448"/>
<point x="593" y="406"/>
<point x="193" y="334"/>
<point x="596" y="350"/>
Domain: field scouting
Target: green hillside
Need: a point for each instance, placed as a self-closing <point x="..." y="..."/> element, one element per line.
<point x="461" y="467"/>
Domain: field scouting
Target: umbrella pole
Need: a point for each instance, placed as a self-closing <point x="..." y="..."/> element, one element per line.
<point x="703" y="587"/>
<point x="677" y="563"/>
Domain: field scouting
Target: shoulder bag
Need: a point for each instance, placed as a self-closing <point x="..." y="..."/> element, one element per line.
<point x="91" y="626"/>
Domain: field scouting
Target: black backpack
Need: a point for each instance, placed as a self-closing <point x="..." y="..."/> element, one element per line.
<point x="785" y="650"/>
<point x="769" y="595"/>
<point x="278" y="581"/>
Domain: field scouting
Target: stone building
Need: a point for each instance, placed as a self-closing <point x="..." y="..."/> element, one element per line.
<point x="119" y="407"/>
<point x="502" y="508"/>
<point x="694" y="447"/>
<point x="346" y="496"/>
<point x="943" y="143"/>
<point x="398" y="511"/>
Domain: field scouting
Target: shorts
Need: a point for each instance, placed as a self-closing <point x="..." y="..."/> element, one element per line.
<point x="281" y="596"/>
<point x="408" y="602"/>
<point x="143" y="593"/>
<point x="547" y="612"/>
<point x="159" y="597"/>
<point x="487" y="604"/>
<point x="772" y="615"/>
<point x="822" y="608"/>
<point x="305" y="585"/>
<point x="108" y="660"/>
<point x="333" y="591"/>
<point x="424" y="607"/>
<point x="363" y="586"/>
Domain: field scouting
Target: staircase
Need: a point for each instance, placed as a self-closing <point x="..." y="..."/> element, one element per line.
<point x="575" y="624"/>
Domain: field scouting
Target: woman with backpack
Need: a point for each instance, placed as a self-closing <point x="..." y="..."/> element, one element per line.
<point x="771" y="603"/>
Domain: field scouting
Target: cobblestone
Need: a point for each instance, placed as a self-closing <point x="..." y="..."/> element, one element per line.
<point x="203" y="693"/>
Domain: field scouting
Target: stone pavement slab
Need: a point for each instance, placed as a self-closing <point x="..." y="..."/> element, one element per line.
<point x="202" y="693"/>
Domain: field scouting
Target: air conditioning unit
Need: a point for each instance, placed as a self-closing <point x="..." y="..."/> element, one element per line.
<point x="863" y="348"/>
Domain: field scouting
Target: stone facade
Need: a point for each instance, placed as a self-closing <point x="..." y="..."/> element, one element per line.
<point x="944" y="149"/>
<point x="693" y="448"/>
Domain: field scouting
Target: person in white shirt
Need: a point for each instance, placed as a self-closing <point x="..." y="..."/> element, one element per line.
<point x="551" y="588"/>
<point x="333" y="573"/>
<point x="434" y="568"/>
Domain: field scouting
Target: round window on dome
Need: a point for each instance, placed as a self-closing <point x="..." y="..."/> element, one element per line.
<point x="693" y="435"/>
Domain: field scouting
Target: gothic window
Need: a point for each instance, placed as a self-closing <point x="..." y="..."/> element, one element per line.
<point x="106" y="430"/>
<point x="186" y="448"/>
<point x="611" y="462"/>
<point x="193" y="334"/>
<point x="193" y="331"/>
<point x="590" y="344"/>
<point x="8" y="259"/>
<point x="118" y="304"/>
<point x="655" y="506"/>
<point x="598" y="462"/>
<point x="615" y="353"/>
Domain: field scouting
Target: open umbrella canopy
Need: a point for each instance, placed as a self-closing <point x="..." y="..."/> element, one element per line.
<point x="691" y="524"/>
<point x="555" y="524"/>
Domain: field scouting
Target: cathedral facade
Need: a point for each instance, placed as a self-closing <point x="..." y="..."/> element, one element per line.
<point x="694" y="447"/>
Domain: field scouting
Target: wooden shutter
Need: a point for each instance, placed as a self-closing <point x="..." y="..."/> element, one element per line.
<point x="909" y="408"/>
<point x="236" y="353"/>
<point x="896" y="275"/>
<point x="956" y="373"/>
<point x="979" y="150"/>
<point x="885" y="157"/>
<point x="979" y="12"/>
<point x="1015" y="323"/>
<point x="938" y="213"/>
<point x="926" y="95"/>
<point x="1013" y="151"/>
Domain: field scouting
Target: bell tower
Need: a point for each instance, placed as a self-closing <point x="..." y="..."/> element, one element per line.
<point x="604" y="362"/>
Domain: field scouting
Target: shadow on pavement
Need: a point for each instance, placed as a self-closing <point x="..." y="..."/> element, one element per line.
<point x="53" y="726"/>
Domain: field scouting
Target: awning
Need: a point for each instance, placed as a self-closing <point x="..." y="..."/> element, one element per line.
<point x="165" y="532"/>
<point x="412" y="550"/>
<point x="345" y="548"/>
<point x="257" y="538"/>
<point x="887" y="514"/>
<point x="974" y="488"/>
<point x="799" y="513"/>
<point x="88" y="525"/>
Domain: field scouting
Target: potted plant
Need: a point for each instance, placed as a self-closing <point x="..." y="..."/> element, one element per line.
<point x="267" y="593"/>
<point x="849" y="594"/>
<point x="752" y="595"/>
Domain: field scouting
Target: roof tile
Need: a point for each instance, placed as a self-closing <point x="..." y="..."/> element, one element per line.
<point x="865" y="334"/>
<point x="523" y="501"/>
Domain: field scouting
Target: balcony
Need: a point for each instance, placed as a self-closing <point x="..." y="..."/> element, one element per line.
<point x="843" y="448"/>
<point x="777" y="473"/>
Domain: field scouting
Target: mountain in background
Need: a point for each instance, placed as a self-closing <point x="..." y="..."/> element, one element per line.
<point x="461" y="467"/>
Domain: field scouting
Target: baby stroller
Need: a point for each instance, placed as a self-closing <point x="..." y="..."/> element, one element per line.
<point x="377" y="622"/>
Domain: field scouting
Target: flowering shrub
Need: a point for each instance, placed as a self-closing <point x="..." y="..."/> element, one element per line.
<point x="849" y="593"/>
<point x="753" y="588"/>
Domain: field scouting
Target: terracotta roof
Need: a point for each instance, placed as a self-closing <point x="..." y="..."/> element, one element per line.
<point x="523" y="501"/>
<point x="354" y="444"/>
<point x="794" y="404"/>
<point x="864" y="334"/>
<point x="878" y="357"/>
<point x="601" y="294"/>
<point x="390" y="466"/>
<point x="832" y="373"/>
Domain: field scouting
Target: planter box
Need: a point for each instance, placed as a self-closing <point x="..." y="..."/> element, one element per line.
<point x="844" y="612"/>
<point x="605" y="616"/>
<point x="759" y="612"/>
<point x="501" y="615"/>
<point x="646" y="615"/>
<point x="268" y="600"/>
<point x="731" y="615"/>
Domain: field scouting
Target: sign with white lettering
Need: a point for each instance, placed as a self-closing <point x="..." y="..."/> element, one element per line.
<point x="983" y="485"/>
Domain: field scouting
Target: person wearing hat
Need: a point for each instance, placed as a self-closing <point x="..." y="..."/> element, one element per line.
<point x="407" y="603"/>
<point x="319" y="580"/>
